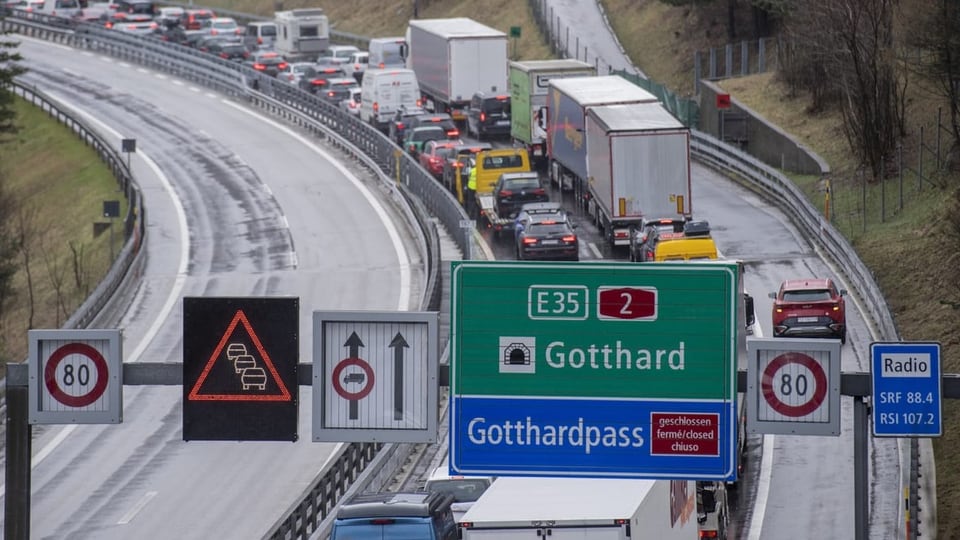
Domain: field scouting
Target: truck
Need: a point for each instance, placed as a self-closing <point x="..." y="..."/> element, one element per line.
<point x="567" y="104"/>
<point x="515" y="508"/>
<point x="302" y="34"/>
<point x="637" y="168"/>
<point x="455" y="58"/>
<point x="529" y="85"/>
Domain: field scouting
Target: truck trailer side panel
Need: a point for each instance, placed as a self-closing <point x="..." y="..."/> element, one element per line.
<point x="529" y="87"/>
<point x="479" y="65"/>
<point x="430" y="59"/>
<point x="569" y="100"/>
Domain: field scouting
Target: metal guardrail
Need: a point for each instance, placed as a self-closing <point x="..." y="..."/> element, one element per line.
<point x="237" y="80"/>
<point x="337" y="126"/>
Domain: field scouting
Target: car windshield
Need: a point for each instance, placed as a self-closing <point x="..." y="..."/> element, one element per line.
<point x="225" y="25"/>
<point x="502" y="162"/>
<point x="521" y="183"/>
<point x="427" y="134"/>
<point x="234" y="48"/>
<point x="496" y="106"/>
<point x="807" y="295"/>
<point x="268" y="31"/>
<point x="463" y="490"/>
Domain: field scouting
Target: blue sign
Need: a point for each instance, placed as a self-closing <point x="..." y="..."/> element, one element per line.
<point x="906" y="389"/>
<point x="614" y="438"/>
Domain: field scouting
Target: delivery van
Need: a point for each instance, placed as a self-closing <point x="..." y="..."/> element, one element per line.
<point x="384" y="92"/>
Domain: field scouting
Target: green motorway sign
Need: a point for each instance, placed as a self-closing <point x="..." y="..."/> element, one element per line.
<point x="595" y="330"/>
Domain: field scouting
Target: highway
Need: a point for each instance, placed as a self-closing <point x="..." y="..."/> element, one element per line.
<point x="237" y="205"/>
<point x="266" y="214"/>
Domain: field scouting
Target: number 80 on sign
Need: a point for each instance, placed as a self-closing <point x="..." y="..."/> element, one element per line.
<point x="75" y="377"/>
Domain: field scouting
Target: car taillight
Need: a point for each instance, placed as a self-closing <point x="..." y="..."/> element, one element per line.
<point x="224" y="55"/>
<point x="132" y="26"/>
<point x="376" y="107"/>
<point x="458" y="165"/>
<point x="282" y="65"/>
<point x="259" y="41"/>
<point x="453" y="133"/>
<point x="506" y="193"/>
<point x="400" y="125"/>
<point x="419" y="103"/>
<point x="330" y="94"/>
<point x="356" y="66"/>
<point x="318" y="82"/>
<point x="836" y="307"/>
<point x="483" y="116"/>
<point x="708" y="534"/>
<point x="108" y="25"/>
<point x="540" y="191"/>
<point x="153" y="26"/>
<point x="381" y="65"/>
<point x="529" y="241"/>
<point x="259" y="67"/>
<point x="570" y="238"/>
<point x="434" y="161"/>
<point x="213" y="32"/>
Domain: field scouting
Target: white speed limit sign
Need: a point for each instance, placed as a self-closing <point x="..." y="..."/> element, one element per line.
<point x="75" y="377"/>
<point x="793" y="386"/>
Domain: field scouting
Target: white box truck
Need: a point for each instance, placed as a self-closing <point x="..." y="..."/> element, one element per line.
<point x="567" y="105"/>
<point x="455" y="58"/>
<point x="386" y="91"/>
<point x="529" y="85"/>
<point x="302" y="34"/>
<point x="577" y="508"/>
<point x="638" y="166"/>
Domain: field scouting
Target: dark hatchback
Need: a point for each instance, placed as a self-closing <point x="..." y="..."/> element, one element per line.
<point x="545" y="237"/>
<point x="513" y="190"/>
<point x="229" y="50"/>
<point x="268" y="63"/>
<point x="488" y="116"/>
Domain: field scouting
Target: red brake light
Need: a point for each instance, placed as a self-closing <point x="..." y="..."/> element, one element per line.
<point x="458" y="164"/>
<point x="224" y="55"/>
<point x="381" y="65"/>
<point x="419" y="103"/>
<point x="453" y="133"/>
<point x="529" y="240"/>
<point x="540" y="191"/>
<point x="318" y="82"/>
<point x="330" y="94"/>
<point x="483" y="116"/>
<point x="356" y="66"/>
<point x="259" y="67"/>
<point x="503" y="98"/>
<point x="376" y="107"/>
<point x="282" y="65"/>
<point x="259" y="41"/>
<point x="505" y="193"/>
<point x="399" y="125"/>
<point x="570" y="238"/>
<point x="213" y="31"/>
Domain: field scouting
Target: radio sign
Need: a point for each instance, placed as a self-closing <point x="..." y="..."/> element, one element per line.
<point x="907" y="400"/>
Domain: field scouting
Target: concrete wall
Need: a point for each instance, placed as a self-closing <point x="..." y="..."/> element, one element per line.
<point x="755" y="135"/>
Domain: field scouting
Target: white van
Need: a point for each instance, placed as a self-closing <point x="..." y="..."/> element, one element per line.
<point x="384" y="92"/>
<point x="465" y="489"/>
<point x="388" y="52"/>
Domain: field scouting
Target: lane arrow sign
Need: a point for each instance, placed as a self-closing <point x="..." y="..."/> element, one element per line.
<point x="354" y="343"/>
<point x="398" y="345"/>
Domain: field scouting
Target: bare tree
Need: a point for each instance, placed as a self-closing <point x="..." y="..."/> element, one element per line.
<point x="26" y="234"/>
<point x="56" y="271"/>
<point x="844" y="50"/>
<point x="81" y="274"/>
<point x="934" y="30"/>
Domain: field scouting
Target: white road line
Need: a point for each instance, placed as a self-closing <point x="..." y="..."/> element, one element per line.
<point x="137" y="507"/>
<point x="123" y="64"/>
<point x="177" y="82"/>
<point x="212" y="96"/>
<point x="106" y="59"/>
<point x="595" y="250"/>
<point x="85" y="53"/>
<point x="766" y="473"/>
<point x="143" y="70"/>
<point x="194" y="89"/>
<point x="403" y="304"/>
<point x="160" y="76"/>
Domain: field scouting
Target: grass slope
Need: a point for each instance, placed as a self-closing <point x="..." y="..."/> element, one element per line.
<point x="60" y="185"/>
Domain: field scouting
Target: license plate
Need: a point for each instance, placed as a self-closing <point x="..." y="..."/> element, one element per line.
<point x="808" y="319"/>
<point x="503" y="122"/>
<point x="537" y="151"/>
<point x="550" y="242"/>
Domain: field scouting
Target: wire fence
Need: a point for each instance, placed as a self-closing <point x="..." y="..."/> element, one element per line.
<point x="855" y="202"/>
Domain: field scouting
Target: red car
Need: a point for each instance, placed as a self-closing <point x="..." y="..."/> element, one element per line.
<point x="434" y="156"/>
<point x="809" y="308"/>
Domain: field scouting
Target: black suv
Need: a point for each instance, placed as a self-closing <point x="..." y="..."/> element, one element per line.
<point x="488" y="115"/>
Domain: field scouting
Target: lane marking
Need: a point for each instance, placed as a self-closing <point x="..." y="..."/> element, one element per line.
<point x="124" y="64"/>
<point x="160" y="76"/>
<point x="194" y="89"/>
<point x="137" y="507"/>
<point x="595" y="250"/>
<point x="403" y="303"/>
<point x="177" y="82"/>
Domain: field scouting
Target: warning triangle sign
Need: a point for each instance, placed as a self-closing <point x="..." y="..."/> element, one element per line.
<point x="240" y="374"/>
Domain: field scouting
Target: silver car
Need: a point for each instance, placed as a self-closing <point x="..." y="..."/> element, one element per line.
<point x="294" y="71"/>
